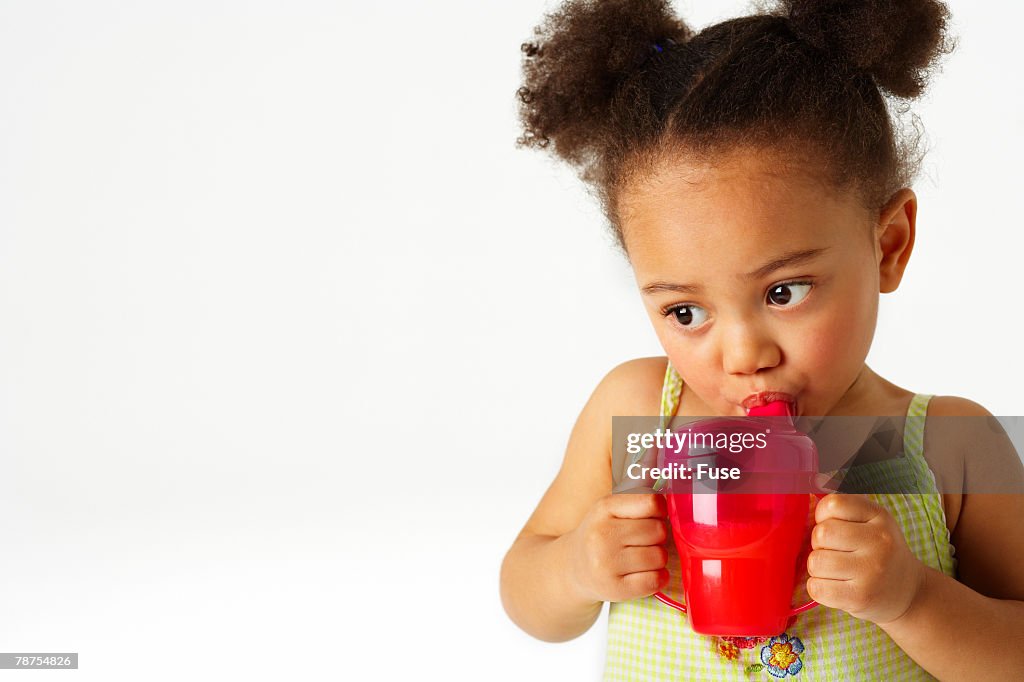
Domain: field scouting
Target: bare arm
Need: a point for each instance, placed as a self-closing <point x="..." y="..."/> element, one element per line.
<point x="974" y="627"/>
<point x="583" y="546"/>
<point x="959" y="631"/>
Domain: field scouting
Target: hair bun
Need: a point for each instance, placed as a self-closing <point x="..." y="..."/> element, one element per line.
<point x="896" y="41"/>
<point x="577" y="61"/>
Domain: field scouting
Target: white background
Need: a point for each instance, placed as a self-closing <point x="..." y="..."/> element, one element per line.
<point x="293" y="336"/>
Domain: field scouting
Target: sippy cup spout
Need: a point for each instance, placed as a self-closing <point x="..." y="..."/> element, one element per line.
<point x="777" y="408"/>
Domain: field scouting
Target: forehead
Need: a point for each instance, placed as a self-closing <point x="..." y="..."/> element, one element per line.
<point x="735" y="209"/>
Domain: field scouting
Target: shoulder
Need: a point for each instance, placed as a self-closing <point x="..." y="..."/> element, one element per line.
<point x="987" y="453"/>
<point x="968" y="451"/>
<point x="952" y="427"/>
<point x="985" y="526"/>
<point x="630" y="388"/>
<point x="633" y="387"/>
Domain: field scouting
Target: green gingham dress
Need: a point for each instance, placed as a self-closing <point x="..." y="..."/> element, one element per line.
<point x="648" y="640"/>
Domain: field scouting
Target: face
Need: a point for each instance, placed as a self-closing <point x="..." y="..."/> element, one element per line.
<point x="757" y="279"/>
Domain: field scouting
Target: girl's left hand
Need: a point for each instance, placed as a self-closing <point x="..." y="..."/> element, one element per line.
<point x="860" y="561"/>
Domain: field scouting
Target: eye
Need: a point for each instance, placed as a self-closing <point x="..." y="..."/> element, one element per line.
<point x="688" y="316"/>
<point x="788" y="294"/>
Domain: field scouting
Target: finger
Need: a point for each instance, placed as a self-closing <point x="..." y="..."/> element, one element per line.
<point x="641" y="559"/>
<point x="844" y="536"/>
<point x="645" y="583"/>
<point x="830" y="592"/>
<point x="830" y="564"/>
<point x="637" y="505"/>
<point x="859" y="508"/>
<point x="641" y="532"/>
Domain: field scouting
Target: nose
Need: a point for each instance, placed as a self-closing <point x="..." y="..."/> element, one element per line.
<point x="748" y="347"/>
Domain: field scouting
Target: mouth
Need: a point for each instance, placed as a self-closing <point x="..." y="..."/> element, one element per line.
<point x="765" y="397"/>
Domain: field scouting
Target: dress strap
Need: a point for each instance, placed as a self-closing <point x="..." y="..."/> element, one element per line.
<point x="941" y="554"/>
<point x="913" y="438"/>
<point x="671" y="390"/>
<point x="913" y="430"/>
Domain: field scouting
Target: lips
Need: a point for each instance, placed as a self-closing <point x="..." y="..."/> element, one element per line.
<point x="765" y="397"/>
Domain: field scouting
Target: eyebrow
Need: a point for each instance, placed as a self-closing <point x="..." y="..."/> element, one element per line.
<point x="786" y="259"/>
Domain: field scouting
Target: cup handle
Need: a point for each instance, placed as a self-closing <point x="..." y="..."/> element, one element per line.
<point x="803" y="607"/>
<point x="811" y="604"/>
<point x="665" y="599"/>
<point x="669" y="601"/>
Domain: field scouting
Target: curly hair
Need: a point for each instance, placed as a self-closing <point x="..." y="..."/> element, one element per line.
<point x="612" y="87"/>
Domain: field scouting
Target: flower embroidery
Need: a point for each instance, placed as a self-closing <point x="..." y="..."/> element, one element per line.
<point x="745" y="642"/>
<point x="729" y="650"/>
<point x="781" y="655"/>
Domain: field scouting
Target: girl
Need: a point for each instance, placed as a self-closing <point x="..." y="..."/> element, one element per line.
<point x="752" y="176"/>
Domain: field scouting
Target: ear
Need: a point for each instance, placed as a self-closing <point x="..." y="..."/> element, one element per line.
<point x="894" y="238"/>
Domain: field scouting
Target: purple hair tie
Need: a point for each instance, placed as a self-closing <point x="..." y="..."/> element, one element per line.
<point x="668" y="41"/>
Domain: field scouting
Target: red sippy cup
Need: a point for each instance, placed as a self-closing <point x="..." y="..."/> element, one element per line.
<point x="742" y="542"/>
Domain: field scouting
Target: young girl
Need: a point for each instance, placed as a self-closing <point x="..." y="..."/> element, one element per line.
<point x="753" y="178"/>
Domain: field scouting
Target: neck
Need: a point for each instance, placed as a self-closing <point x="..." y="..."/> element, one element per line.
<point x="863" y="396"/>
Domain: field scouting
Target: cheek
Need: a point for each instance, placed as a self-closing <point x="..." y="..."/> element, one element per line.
<point x="841" y="337"/>
<point x="695" y="361"/>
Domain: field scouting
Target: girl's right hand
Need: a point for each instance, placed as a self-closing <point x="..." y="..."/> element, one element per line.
<point x="618" y="551"/>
